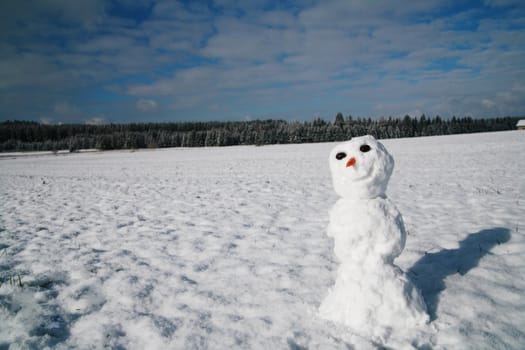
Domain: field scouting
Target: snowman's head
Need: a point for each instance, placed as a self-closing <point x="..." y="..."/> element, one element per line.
<point x="361" y="168"/>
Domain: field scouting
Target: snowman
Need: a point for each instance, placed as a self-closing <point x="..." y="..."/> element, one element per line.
<point x="371" y="296"/>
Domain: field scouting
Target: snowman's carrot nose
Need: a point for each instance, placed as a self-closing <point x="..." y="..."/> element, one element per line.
<point x="350" y="162"/>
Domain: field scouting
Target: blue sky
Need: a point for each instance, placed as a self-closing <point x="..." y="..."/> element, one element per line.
<point x="118" y="61"/>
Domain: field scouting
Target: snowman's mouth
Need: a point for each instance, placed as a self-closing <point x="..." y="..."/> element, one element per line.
<point x="351" y="162"/>
<point x="360" y="174"/>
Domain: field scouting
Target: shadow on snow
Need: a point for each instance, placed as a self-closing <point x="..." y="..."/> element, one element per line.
<point x="429" y="272"/>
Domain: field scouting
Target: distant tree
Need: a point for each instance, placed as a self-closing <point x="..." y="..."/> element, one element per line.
<point x="31" y="136"/>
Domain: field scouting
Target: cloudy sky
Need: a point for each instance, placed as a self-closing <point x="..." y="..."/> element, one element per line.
<point x="119" y="61"/>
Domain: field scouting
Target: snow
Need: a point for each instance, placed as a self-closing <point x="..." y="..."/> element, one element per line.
<point x="42" y="153"/>
<point x="360" y="174"/>
<point x="227" y="247"/>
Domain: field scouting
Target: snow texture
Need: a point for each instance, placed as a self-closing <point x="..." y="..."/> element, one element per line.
<point x="371" y="295"/>
<point x="226" y="247"/>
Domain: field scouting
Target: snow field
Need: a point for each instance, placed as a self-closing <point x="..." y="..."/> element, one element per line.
<point x="227" y="247"/>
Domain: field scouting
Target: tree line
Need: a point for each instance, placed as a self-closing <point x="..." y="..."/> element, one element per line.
<point x="33" y="136"/>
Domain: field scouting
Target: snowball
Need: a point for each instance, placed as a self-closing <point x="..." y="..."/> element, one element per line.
<point x="380" y="304"/>
<point x="366" y="230"/>
<point x="368" y="174"/>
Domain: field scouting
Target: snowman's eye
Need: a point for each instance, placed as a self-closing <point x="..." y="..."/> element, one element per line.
<point x="364" y="148"/>
<point x="340" y="155"/>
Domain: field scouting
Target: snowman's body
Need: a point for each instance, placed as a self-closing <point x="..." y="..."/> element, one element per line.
<point x="371" y="295"/>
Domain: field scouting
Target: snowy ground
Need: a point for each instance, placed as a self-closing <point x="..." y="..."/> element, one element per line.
<point x="226" y="247"/>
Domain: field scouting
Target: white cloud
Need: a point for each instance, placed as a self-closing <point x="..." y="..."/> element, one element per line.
<point x="487" y="103"/>
<point x="174" y="10"/>
<point x="46" y="121"/>
<point x="96" y="120"/>
<point x="145" y="105"/>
